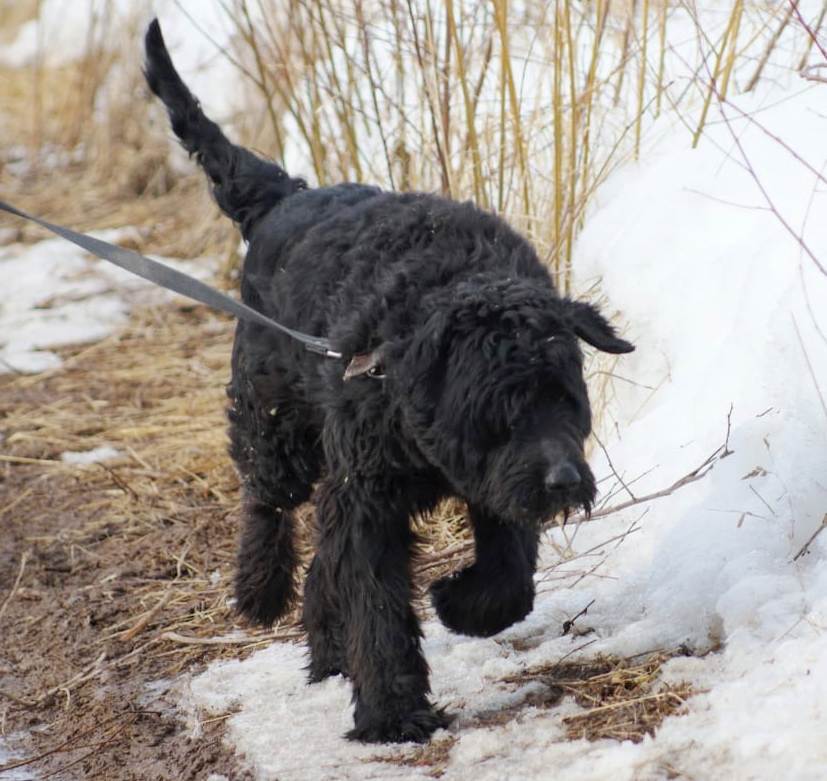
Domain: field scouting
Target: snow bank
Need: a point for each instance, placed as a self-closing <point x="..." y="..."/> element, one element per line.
<point x="728" y="314"/>
<point x="54" y="294"/>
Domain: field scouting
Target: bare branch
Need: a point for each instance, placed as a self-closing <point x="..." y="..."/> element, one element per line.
<point x="811" y="72"/>
<point x="806" y="547"/>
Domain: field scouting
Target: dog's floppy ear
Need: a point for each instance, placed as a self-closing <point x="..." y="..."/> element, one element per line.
<point x="369" y="364"/>
<point x="587" y="322"/>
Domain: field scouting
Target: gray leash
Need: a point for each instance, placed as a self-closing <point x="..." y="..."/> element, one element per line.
<point x="167" y="277"/>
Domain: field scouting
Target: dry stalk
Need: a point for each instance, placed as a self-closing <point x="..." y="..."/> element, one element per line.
<point x="16" y="585"/>
<point x="773" y="42"/>
<point x="559" y="144"/>
<point x="641" y="84"/>
<point x="812" y="36"/>
<point x="175" y="637"/>
<point x="716" y="71"/>
<point x="625" y="52"/>
<point x="733" y="49"/>
<point x="501" y="17"/>
<point x="589" y="94"/>
<point x="662" y="53"/>
<point x="479" y="189"/>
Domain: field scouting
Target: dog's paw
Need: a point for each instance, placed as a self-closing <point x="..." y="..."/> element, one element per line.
<point x="416" y="726"/>
<point x="317" y="671"/>
<point x="472" y="605"/>
<point x="262" y="599"/>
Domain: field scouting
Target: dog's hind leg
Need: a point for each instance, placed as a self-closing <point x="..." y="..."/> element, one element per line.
<point x="366" y="544"/>
<point x="497" y="590"/>
<point x="277" y="451"/>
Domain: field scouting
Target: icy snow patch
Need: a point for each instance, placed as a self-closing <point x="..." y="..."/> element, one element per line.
<point x="55" y="294"/>
<point x="9" y="755"/>
<point x="96" y="456"/>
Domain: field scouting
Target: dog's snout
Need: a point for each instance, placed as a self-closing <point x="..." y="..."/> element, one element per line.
<point x="563" y="475"/>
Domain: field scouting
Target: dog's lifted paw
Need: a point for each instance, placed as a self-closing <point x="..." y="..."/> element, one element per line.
<point x="471" y="605"/>
<point x="415" y="726"/>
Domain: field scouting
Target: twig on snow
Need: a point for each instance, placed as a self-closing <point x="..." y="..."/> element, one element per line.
<point x="568" y="624"/>
<point x="612" y="466"/>
<point x="227" y="640"/>
<point x="810" y="31"/>
<point x="806" y="547"/>
<point x="696" y="474"/>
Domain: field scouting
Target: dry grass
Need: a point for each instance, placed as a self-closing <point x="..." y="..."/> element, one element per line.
<point x="433" y="756"/>
<point x="526" y="107"/>
<point x="155" y="524"/>
<point x="622" y="699"/>
<point x="66" y="159"/>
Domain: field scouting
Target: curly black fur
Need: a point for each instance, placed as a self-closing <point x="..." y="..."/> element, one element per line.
<point x="476" y="391"/>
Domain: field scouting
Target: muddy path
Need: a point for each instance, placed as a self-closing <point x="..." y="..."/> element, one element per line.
<point x="99" y="561"/>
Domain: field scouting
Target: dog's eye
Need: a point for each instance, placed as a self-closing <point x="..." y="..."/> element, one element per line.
<point x="377" y="372"/>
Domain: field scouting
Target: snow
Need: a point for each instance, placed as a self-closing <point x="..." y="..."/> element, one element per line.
<point x="54" y="294"/>
<point x="9" y="754"/>
<point x="727" y="313"/>
<point x="96" y="456"/>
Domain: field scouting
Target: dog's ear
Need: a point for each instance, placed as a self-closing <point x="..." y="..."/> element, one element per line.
<point x="587" y="322"/>
<point x="370" y="364"/>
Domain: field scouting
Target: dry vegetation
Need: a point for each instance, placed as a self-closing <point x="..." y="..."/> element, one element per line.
<point x="620" y="699"/>
<point x="113" y="575"/>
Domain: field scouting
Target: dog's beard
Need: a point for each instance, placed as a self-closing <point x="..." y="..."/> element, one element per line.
<point x="534" y="506"/>
<point x="522" y="498"/>
<point x="572" y="510"/>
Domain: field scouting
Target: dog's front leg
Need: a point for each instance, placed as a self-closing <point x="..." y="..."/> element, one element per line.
<point x="497" y="590"/>
<point x="366" y="540"/>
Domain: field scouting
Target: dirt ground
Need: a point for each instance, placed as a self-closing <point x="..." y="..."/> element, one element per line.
<point x="98" y="562"/>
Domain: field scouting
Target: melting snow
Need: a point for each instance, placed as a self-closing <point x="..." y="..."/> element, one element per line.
<point x="55" y="294"/>
<point x="96" y="456"/>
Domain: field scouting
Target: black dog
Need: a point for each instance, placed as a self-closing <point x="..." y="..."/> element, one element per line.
<point x="469" y="383"/>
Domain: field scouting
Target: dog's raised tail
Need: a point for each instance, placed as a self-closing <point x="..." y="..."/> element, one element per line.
<point x="245" y="186"/>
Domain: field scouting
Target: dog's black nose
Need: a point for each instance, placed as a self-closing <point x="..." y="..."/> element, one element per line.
<point x="563" y="475"/>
